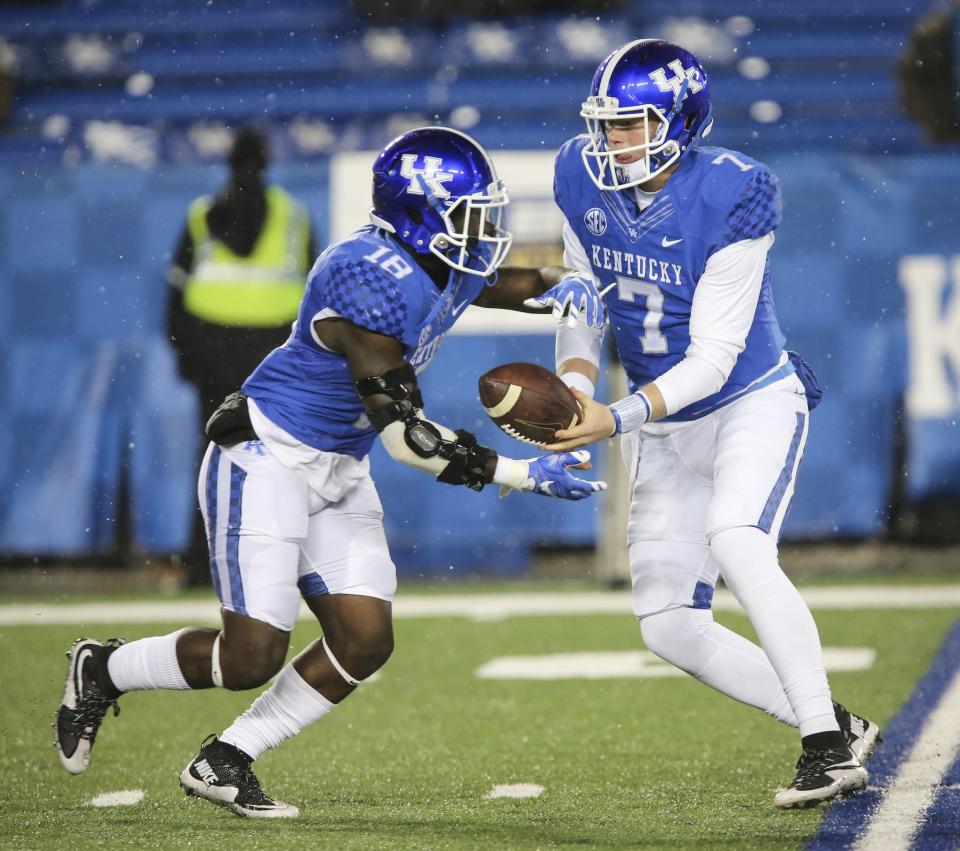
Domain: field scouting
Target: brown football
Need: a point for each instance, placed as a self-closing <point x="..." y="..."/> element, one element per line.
<point x="528" y="402"/>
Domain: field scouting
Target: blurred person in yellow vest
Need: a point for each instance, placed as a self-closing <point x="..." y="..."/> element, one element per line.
<point x="236" y="279"/>
<point x="237" y="275"/>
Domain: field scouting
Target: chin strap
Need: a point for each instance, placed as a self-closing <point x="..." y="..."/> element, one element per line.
<point x="679" y="99"/>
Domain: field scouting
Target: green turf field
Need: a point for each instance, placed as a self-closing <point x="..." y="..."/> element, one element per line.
<point x="406" y="762"/>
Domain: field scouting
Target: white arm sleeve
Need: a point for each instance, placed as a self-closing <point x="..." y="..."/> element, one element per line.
<point x="575" y="255"/>
<point x="509" y="472"/>
<point x="724" y="306"/>
<point x="578" y="342"/>
<point x="395" y="443"/>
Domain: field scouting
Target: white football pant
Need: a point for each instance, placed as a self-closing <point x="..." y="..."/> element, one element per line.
<point x="273" y="538"/>
<point x="709" y="498"/>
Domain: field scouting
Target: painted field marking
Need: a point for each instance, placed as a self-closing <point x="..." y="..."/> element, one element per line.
<point x="477" y="607"/>
<point x="126" y="798"/>
<point x="515" y="790"/>
<point x="905" y="803"/>
<point x="640" y="664"/>
<point x="910" y="802"/>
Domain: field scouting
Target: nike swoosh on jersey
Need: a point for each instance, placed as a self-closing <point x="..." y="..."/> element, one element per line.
<point x="666" y="242"/>
<point x="458" y="307"/>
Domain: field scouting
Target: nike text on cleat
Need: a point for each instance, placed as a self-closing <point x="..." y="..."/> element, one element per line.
<point x="862" y="735"/>
<point x="221" y="774"/>
<point x="822" y="775"/>
<point x="83" y="706"/>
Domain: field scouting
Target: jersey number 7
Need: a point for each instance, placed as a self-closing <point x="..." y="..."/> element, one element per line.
<point x="630" y="289"/>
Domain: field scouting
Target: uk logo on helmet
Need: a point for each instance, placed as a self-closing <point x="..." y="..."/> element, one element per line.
<point x="431" y="174"/>
<point x="673" y="84"/>
<point x="595" y="220"/>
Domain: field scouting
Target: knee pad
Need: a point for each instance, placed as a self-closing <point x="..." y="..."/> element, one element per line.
<point x="677" y="637"/>
<point x="668" y="574"/>
<point x="747" y="557"/>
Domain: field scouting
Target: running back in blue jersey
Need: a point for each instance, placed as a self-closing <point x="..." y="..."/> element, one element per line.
<point x="369" y="280"/>
<point x="656" y="256"/>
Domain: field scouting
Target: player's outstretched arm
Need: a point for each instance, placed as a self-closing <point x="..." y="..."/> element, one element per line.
<point x="387" y="384"/>
<point x="568" y="294"/>
<point x="515" y="284"/>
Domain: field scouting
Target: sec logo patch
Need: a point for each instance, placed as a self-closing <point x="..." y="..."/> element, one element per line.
<point x="595" y="220"/>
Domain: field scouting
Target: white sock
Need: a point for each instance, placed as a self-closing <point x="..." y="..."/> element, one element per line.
<point x="283" y="710"/>
<point x="718" y="657"/>
<point x="787" y="632"/>
<point x="148" y="663"/>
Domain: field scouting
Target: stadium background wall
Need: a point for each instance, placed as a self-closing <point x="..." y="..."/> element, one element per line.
<point x="866" y="277"/>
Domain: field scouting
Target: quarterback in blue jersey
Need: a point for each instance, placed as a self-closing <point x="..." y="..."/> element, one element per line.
<point x="676" y="236"/>
<point x="285" y="489"/>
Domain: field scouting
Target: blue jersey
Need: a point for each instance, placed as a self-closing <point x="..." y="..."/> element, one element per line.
<point x="656" y="257"/>
<point x="308" y="390"/>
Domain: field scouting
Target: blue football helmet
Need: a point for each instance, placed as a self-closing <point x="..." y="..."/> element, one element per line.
<point x="643" y="80"/>
<point x="437" y="191"/>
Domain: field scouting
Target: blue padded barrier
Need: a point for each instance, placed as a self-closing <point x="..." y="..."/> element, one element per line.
<point x="88" y="387"/>
<point x="162" y="451"/>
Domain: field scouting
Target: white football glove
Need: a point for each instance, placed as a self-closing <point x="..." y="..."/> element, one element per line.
<point x="575" y="298"/>
<point x="547" y="475"/>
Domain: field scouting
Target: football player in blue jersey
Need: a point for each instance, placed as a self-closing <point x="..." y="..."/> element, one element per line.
<point x="285" y="488"/>
<point x="676" y="235"/>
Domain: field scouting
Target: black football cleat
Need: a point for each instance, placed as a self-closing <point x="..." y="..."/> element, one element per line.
<point x="221" y="774"/>
<point x="823" y="774"/>
<point x="862" y="735"/>
<point x="84" y="704"/>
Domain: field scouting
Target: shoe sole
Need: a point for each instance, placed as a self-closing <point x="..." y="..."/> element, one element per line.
<point x="80" y="761"/>
<point x="198" y="789"/>
<point x="840" y="789"/>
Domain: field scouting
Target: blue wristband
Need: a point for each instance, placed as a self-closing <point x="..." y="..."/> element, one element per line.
<point x="618" y="423"/>
<point x="631" y="412"/>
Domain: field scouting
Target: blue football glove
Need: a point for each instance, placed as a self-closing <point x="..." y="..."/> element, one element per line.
<point x="549" y="476"/>
<point x="574" y="298"/>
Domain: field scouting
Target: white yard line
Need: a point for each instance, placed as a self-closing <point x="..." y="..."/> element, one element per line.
<point x="515" y="790"/>
<point x="126" y="798"/>
<point x="479" y="607"/>
<point x="631" y="664"/>
<point x="907" y="799"/>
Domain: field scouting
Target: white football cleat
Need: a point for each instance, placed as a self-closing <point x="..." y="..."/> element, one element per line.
<point x="823" y="774"/>
<point x="221" y="774"/>
<point x="862" y="735"/>
<point x="83" y="705"/>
